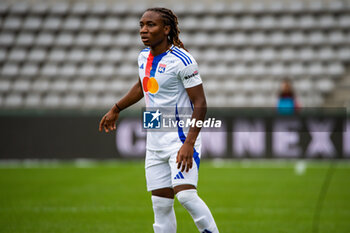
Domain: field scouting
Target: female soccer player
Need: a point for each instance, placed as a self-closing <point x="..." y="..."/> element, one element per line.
<point x="168" y="78"/>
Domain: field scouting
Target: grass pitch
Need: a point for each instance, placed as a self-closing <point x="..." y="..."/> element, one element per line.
<point x="106" y="197"/>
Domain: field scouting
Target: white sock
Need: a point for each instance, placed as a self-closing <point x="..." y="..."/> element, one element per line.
<point x="198" y="210"/>
<point x="164" y="215"/>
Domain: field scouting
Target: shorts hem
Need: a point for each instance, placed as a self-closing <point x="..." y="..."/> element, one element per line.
<point x="149" y="189"/>
<point x="189" y="182"/>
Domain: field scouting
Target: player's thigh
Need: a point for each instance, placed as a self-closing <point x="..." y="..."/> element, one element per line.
<point x="158" y="172"/>
<point x="182" y="178"/>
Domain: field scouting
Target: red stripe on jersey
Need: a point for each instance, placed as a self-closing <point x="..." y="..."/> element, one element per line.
<point x="146" y="78"/>
<point x="149" y="64"/>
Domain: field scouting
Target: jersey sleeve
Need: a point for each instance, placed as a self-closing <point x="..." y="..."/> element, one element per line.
<point x="189" y="76"/>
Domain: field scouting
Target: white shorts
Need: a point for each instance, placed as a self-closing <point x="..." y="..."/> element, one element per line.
<point x="162" y="172"/>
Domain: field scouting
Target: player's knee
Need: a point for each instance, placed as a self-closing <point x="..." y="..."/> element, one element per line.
<point x="197" y="209"/>
<point x="186" y="195"/>
<point x="162" y="204"/>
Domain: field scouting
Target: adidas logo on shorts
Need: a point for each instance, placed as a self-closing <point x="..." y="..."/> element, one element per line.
<point x="179" y="176"/>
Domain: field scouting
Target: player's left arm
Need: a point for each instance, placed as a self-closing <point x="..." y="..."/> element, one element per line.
<point x="185" y="154"/>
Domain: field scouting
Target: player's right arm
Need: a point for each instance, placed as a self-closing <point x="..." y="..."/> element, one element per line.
<point x="133" y="96"/>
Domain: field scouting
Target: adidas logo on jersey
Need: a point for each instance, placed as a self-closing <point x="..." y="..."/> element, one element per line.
<point x="141" y="67"/>
<point x="179" y="176"/>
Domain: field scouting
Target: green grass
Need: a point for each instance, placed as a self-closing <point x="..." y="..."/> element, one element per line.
<point x="106" y="197"/>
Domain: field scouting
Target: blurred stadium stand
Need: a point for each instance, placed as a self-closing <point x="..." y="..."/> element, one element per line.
<point x="83" y="55"/>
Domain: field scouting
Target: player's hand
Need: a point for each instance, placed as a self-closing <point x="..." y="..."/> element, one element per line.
<point x="108" y="120"/>
<point x="184" y="157"/>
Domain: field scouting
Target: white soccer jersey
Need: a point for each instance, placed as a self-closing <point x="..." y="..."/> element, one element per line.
<point x="164" y="81"/>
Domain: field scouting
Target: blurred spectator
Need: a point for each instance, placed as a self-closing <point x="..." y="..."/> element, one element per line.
<point x="287" y="103"/>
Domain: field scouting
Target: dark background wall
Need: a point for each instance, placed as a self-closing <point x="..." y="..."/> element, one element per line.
<point x="53" y="135"/>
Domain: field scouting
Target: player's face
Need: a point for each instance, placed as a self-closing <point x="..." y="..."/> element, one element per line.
<point x="152" y="29"/>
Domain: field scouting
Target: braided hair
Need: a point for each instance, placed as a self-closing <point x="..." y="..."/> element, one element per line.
<point x="169" y="18"/>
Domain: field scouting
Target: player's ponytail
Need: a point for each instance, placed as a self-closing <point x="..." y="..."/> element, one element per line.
<point x="170" y="19"/>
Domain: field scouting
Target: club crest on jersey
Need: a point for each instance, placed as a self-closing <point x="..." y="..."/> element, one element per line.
<point x="161" y="68"/>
